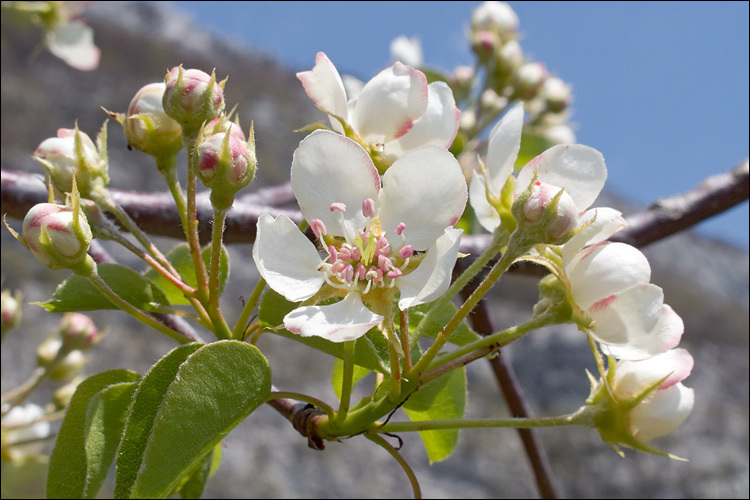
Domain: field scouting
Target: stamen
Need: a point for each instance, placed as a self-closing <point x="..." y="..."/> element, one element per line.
<point x="368" y="208"/>
<point x="318" y="228"/>
<point x="395" y="273"/>
<point x="400" y="228"/>
<point x="333" y="253"/>
<point x="341" y="207"/>
<point x="406" y="252"/>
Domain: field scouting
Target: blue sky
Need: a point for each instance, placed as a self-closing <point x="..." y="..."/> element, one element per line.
<point x="661" y="89"/>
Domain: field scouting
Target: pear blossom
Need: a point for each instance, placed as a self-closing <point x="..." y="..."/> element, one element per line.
<point x="609" y="282"/>
<point x="23" y="431"/>
<point x="395" y="112"/>
<point x="68" y="37"/>
<point x="663" y="410"/>
<point x="578" y="169"/>
<point x="378" y="236"/>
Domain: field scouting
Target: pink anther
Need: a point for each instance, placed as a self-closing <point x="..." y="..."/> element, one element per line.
<point x="333" y="253"/>
<point x="368" y="207"/>
<point x="318" y="228"/>
<point x="345" y="253"/>
<point x="395" y="273"/>
<point x="341" y="207"/>
<point x="400" y="228"/>
<point x="406" y="252"/>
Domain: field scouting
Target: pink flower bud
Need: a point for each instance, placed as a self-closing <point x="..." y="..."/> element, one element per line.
<point x="548" y="207"/>
<point x="147" y="127"/>
<point x="78" y="331"/>
<point x="192" y="97"/>
<point x="54" y="237"/>
<point x="64" y="160"/>
<point x="226" y="164"/>
<point x="529" y="80"/>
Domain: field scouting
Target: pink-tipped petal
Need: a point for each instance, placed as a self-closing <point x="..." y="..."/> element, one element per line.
<point x="627" y="317"/>
<point x="390" y="103"/>
<point x="324" y="86"/>
<point x="348" y="319"/>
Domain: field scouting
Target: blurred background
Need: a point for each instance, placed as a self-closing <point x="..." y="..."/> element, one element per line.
<point x="661" y="90"/>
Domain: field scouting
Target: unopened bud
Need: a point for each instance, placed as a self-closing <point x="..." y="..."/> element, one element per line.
<point x="78" y="331"/>
<point x="72" y="155"/>
<point x="192" y="97"/>
<point x="226" y="164"/>
<point x="485" y="43"/>
<point x="147" y="127"/>
<point x="497" y="17"/>
<point x="11" y="310"/>
<point x="557" y="94"/>
<point x="529" y="80"/>
<point x="57" y="237"/>
<point x="549" y="208"/>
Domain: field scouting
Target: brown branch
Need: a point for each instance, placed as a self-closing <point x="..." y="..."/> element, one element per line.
<point x="155" y="213"/>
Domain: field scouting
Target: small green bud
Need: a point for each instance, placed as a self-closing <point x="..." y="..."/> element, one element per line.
<point x="547" y="211"/>
<point x="57" y="236"/>
<point x="78" y="331"/>
<point x="192" y="97"/>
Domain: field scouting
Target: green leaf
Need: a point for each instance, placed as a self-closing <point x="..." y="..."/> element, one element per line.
<point x="78" y="294"/>
<point x="214" y="389"/>
<point x="105" y="420"/>
<point x="145" y="406"/>
<point x="463" y="334"/>
<point x="69" y="470"/>
<point x="443" y="398"/>
<point x="196" y="481"/>
<point x="182" y="261"/>
<point x="370" y="350"/>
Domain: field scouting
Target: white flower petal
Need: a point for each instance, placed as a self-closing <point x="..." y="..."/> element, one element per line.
<point x="348" y="319"/>
<point x="324" y="86"/>
<point x="607" y="221"/>
<point x="407" y="50"/>
<point x="666" y="335"/>
<point x="426" y="190"/>
<point x="73" y="42"/>
<point x="330" y="168"/>
<point x="485" y="213"/>
<point x="627" y="317"/>
<point x="664" y="412"/>
<point x="580" y="170"/>
<point x="502" y="150"/>
<point x="390" y="103"/>
<point x="437" y="126"/>
<point x="433" y="275"/>
<point x="603" y="269"/>
<point x="286" y="259"/>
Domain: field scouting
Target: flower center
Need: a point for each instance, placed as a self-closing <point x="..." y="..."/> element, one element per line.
<point x="366" y="260"/>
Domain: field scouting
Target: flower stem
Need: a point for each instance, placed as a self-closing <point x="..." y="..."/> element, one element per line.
<point x="99" y="283"/>
<point x="247" y="309"/>
<point x="191" y="228"/>
<point x="221" y="329"/>
<point x="516" y="248"/>
<point x="168" y="168"/>
<point x="347" y="382"/>
<point x="380" y="441"/>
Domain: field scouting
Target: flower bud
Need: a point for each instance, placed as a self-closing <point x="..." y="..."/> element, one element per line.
<point x="529" y="80"/>
<point x="557" y="94"/>
<point x="11" y="310"/>
<point x="57" y="237"/>
<point x="549" y="208"/>
<point x="78" y="331"/>
<point x="61" y="363"/>
<point x="222" y="124"/>
<point x="645" y="399"/>
<point x="62" y="396"/>
<point x="146" y="125"/>
<point x="226" y="164"/>
<point x="485" y="43"/>
<point x="73" y="155"/>
<point x="508" y="59"/>
<point x="497" y="17"/>
<point x="192" y="97"/>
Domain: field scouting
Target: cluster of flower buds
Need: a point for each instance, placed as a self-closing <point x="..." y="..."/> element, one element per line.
<point x="73" y="156"/>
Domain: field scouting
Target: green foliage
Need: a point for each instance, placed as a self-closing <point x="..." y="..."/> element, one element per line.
<point x="78" y="294"/>
<point x="182" y="261"/>
<point x="443" y="398"/>
<point x="184" y="406"/>
<point x="463" y="334"/>
<point x="90" y="434"/>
